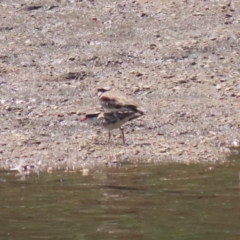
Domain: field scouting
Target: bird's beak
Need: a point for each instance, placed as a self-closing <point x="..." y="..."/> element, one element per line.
<point x="84" y="119"/>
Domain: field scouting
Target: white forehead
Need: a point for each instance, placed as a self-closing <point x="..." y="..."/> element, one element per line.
<point x="100" y="93"/>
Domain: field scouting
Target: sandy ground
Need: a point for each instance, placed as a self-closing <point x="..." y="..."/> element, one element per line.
<point x="178" y="59"/>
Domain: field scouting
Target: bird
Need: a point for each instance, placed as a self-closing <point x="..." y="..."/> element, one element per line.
<point x="113" y="101"/>
<point x="110" y="120"/>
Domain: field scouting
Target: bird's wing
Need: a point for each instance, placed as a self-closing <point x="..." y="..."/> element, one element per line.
<point x="112" y="118"/>
<point x="107" y="118"/>
<point x="117" y="98"/>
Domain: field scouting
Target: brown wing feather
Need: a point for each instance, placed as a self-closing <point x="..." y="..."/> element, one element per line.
<point x="117" y="98"/>
<point x="104" y="98"/>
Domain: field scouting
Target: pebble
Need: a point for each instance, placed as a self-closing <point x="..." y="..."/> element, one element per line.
<point x="162" y="150"/>
<point x="235" y="143"/>
<point x="198" y="14"/>
<point x="28" y="42"/>
<point x="85" y="172"/>
<point x="50" y="170"/>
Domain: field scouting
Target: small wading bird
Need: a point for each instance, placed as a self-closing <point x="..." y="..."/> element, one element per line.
<point x="110" y="120"/>
<point x="113" y="101"/>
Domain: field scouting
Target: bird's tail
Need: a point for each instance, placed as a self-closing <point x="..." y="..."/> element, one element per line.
<point x="135" y="109"/>
<point x="140" y="111"/>
<point x="135" y="115"/>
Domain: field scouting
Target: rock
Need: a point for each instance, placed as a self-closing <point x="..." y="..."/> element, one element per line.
<point x="146" y="87"/>
<point x="138" y="74"/>
<point x="198" y="14"/>
<point x="235" y="143"/>
<point x="72" y="58"/>
<point x="50" y="170"/>
<point x="28" y="42"/>
<point x="85" y="172"/>
<point x="162" y="150"/>
<point x="153" y="46"/>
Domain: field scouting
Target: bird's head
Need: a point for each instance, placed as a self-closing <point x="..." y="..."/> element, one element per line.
<point x="102" y="90"/>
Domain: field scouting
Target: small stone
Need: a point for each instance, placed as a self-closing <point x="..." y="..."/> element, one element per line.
<point x="235" y="143"/>
<point x="162" y="150"/>
<point x="144" y="14"/>
<point x="119" y="154"/>
<point x="182" y="80"/>
<point x="85" y="172"/>
<point x="146" y="87"/>
<point x="218" y="87"/>
<point x="39" y="163"/>
<point x="28" y="42"/>
<point x="136" y="89"/>
<point x="138" y="74"/>
<point x="193" y="78"/>
<point x="211" y="133"/>
<point x="72" y="113"/>
<point x="198" y="14"/>
<point x="195" y="145"/>
<point x="72" y="58"/>
<point x="211" y="168"/>
<point x="213" y="38"/>
<point x="53" y="107"/>
<point x="91" y="150"/>
<point x="153" y="46"/>
<point x="43" y="146"/>
<point x="50" y="170"/>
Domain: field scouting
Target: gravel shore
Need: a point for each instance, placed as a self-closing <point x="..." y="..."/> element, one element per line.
<point x="178" y="59"/>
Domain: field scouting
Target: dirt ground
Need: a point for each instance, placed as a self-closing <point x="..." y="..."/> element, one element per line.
<point x="178" y="59"/>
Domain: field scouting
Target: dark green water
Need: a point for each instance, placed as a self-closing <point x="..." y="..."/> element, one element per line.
<point x="171" y="201"/>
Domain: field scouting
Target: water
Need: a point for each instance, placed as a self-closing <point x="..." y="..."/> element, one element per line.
<point x="170" y="201"/>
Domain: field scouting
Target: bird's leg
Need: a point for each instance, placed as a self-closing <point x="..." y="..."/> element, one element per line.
<point x="121" y="129"/>
<point x="109" y="136"/>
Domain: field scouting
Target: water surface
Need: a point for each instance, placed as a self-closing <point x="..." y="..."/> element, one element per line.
<point x="168" y="201"/>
